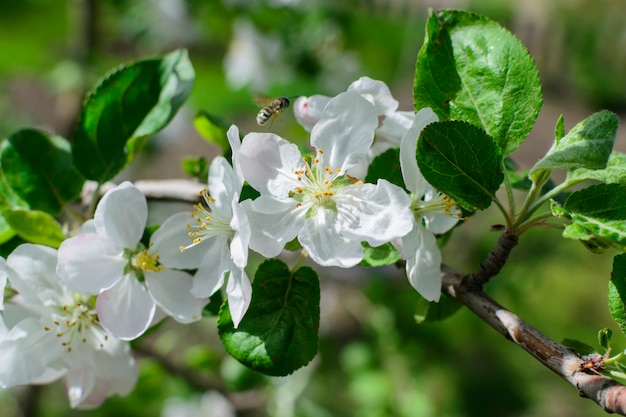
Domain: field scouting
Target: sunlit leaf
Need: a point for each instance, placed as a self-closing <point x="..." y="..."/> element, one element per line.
<point x="129" y="105"/>
<point x="472" y="69"/>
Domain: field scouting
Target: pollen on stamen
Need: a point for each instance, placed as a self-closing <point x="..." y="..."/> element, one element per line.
<point x="197" y="240"/>
<point x="181" y="248"/>
<point x="46" y="328"/>
<point x="320" y="151"/>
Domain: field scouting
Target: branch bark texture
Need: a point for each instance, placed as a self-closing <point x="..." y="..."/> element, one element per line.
<point x="607" y="393"/>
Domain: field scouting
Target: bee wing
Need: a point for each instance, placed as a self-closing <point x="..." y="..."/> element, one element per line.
<point x="262" y="100"/>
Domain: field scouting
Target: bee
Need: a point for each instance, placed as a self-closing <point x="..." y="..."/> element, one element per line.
<point x="272" y="107"/>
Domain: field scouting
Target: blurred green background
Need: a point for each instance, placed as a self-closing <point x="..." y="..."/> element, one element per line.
<point x="374" y="360"/>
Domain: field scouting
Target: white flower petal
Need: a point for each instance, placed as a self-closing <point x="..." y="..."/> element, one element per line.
<point x="168" y="239"/>
<point x="121" y="215"/>
<point x="216" y="263"/>
<point x="31" y="270"/>
<point x="235" y="145"/>
<point x="377" y="93"/>
<point x="241" y="240"/>
<point x="3" y="281"/>
<point x="89" y="263"/>
<point x="394" y="126"/>
<point x="80" y="384"/>
<point x="413" y="178"/>
<point x="126" y="309"/>
<point x="375" y="214"/>
<point x="26" y="352"/>
<point x="308" y="110"/>
<point x="274" y="223"/>
<point x="325" y="245"/>
<point x="439" y="223"/>
<point x="239" y="293"/>
<point x="424" y="269"/>
<point x="346" y="131"/>
<point x="268" y="163"/>
<point x="223" y="185"/>
<point x="171" y="290"/>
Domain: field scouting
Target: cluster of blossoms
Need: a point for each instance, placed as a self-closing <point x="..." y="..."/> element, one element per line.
<point x="70" y="314"/>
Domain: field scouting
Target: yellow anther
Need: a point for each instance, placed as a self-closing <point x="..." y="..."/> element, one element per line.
<point x="197" y="240"/>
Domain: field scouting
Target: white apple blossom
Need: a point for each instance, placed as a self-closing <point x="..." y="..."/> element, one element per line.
<point x="434" y="212"/>
<point x="395" y="123"/>
<point x="48" y="332"/>
<point x="216" y="241"/>
<point x="317" y="200"/>
<point x="107" y="259"/>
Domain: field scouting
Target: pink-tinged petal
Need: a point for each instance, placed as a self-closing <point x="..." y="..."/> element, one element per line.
<point x="126" y="309"/>
<point x="31" y="272"/>
<point x="274" y="223"/>
<point x="241" y="240"/>
<point x="89" y="263"/>
<point x="223" y="185"/>
<point x="346" y="131"/>
<point x="413" y="178"/>
<point x="168" y="239"/>
<point x="26" y="352"/>
<point x="211" y="274"/>
<point x="424" y="269"/>
<point x="121" y="215"/>
<point x="269" y="162"/>
<point x="377" y="93"/>
<point x="171" y="290"/>
<point x="235" y="145"/>
<point x="308" y="110"/>
<point x="325" y="245"/>
<point x="239" y="293"/>
<point x="375" y="214"/>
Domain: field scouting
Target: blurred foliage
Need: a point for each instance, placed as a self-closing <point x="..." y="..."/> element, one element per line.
<point x="374" y="360"/>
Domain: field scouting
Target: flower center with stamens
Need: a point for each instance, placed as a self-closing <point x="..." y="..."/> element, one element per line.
<point x="207" y="222"/>
<point x="319" y="184"/>
<point x="78" y="322"/>
<point x="441" y="204"/>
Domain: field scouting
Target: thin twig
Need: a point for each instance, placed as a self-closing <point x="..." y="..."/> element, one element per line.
<point x="607" y="393"/>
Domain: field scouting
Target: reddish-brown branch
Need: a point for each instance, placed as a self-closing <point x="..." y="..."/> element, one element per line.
<point x="609" y="394"/>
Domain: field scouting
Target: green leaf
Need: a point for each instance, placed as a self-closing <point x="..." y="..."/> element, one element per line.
<point x="617" y="291"/>
<point x="614" y="173"/>
<point x="196" y="167"/>
<point x="598" y="215"/>
<point x="38" y="168"/>
<point x="129" y="105"/>
<point x="559" y="129"/>
<point x="472" y="69"/>
<point x="212" y="128"/>
<point x="386" y="166"/>
<point x="279" y="333"/>
<point x="587" y="145"/>
<point x="430" y="311"/>
<point x="35" y="227"/>
<point x="604" y="338"/>
<point x="517" y="177"/>
<point x="381" y="255"/>
<point x="462" y="161"/>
